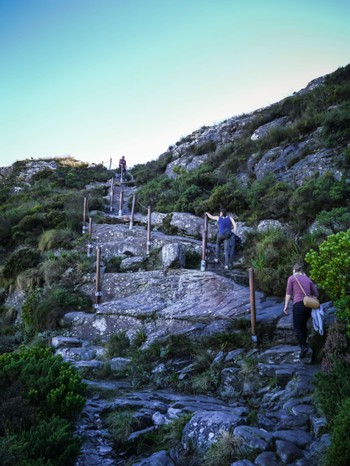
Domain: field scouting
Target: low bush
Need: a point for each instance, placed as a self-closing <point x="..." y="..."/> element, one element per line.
<point x="226" y="451"/>
<point x="43" y="308"/>
<point x="339" y="452"/>
<point x="117" y="346"/>
<point x="330" y="269"/>
<point x="336" y="127"/>
<point x="19" y="261"/>
<point x="55" y="239"/>
<point x="40" y="398"/>
<point x="272" y="254"/>
<point x="332" y="388"/>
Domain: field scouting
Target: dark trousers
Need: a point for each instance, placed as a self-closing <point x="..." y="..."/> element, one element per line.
<point x="226" y="240"/>
<point x="301" y="315"/>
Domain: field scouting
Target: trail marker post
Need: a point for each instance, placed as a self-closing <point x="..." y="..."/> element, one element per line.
<point x="252" y="304"/>
<point x="98" y="293"/>
<point x="132" y="212"/>
<point x="111" y="195"/>
<point x="204" y="244"/>
<point x="84" y="216"/>
<point x="149" y="241"/>
<point x="89" y="246"/>
<point x="121" y="202"/>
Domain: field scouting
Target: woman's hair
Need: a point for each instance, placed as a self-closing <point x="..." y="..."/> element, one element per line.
<point x="298" y="267"/>
<point x="223" y="211"/>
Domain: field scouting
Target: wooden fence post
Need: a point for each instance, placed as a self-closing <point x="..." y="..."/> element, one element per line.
<point x="111" y="195"/>
<point x="98" y="293"/>
<point x="252" y="304"/>
<point x="204" y="244"/>
<point x="89" y="246"/>
<point x="149" y="240"/>
<point x="132" y="212"/>
<point x="121" y="202"/>
<point x="84" y="216"/>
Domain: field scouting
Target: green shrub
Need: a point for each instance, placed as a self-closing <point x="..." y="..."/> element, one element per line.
<point x="50" y="442"/>
<point x="335" y="220"/>
<point x="330" y="266"/>
<point x="332" y="388"/>
<point x="226" y="450"/>
<point x="339" y="452"/>
<point x="55" y="239"/>
<point x="317" y="194"/>
<point x="120" y="425"/>
<point x="43" y="308"/>
<point x="118" y="345"/>
<point x="19" y="261"/>
<point x="204" y="148"/>
<point x="336" y="126"/>
<point x="271" y="254"/>
<point x="40" y="397"/>
<point x="30" y="227"/>
<point x="268" y="198"/>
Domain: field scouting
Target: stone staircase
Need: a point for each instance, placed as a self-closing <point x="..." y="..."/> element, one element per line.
<point x="288" y="430"/>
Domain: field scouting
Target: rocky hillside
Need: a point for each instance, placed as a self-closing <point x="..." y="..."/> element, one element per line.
<point x="266" y="164"/>
<point x="173" y="374"/>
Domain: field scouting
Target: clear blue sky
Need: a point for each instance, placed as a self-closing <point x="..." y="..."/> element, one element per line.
<point x="97" y="79"/>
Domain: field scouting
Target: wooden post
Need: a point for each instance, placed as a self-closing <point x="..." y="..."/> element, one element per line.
<point x="121" y="202"/>
<point x="252" y="304"/>
<point x="112" y="195"/>
<point x="149" y="241"/>
<point x="204" y="243"/>
<point x="110" y="163"/>
<point x="89" y="251"/>
<point x="132" y="212"/>
<point x="84" y="216"/>
<point x="98" y="275"/>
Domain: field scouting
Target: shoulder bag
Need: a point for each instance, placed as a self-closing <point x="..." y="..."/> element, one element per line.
<point x="309" y="301"/>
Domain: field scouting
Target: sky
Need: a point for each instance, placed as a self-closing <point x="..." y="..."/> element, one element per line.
<point x="97" y="79"/>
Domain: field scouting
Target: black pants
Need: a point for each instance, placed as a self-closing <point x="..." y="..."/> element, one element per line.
<point x="301" y="315"/>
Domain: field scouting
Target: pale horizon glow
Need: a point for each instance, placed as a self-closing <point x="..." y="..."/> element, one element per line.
<point x="99" y="79"/>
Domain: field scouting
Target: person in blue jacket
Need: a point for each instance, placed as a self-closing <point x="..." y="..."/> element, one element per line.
<point x="225" y="226"/>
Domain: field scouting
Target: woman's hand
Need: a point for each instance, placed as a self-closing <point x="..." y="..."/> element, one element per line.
<point x="285" y="310"/>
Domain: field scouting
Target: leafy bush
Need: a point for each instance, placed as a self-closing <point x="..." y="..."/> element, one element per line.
<point x="271" y="254"/>
<point x="43" y="308"/>
<point x="335" y="220"/>
<point x="120" y="425"/>
<point x="316" y="195"/>
<point x="40" y="396"/>
<point x="44" y="381"/>
<point x="269" y="198"/>
<point x="19" y="261"/>
<point x="336" y="127"/>
<point x="330" y="266"/>
<point x="204" y="148"/>
<point x="332" y="388"/>
<point x="50" y="442"/>
<point x="339" y="452"/>
<point x="226" y="451"/>
<point x="54" y="239"/>
<point x="118" y="345"/>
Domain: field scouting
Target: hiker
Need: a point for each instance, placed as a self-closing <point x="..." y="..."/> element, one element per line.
<point x="122" y="166"/>
<point x="301" y="313"/>
<point x="225" y="226"/>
